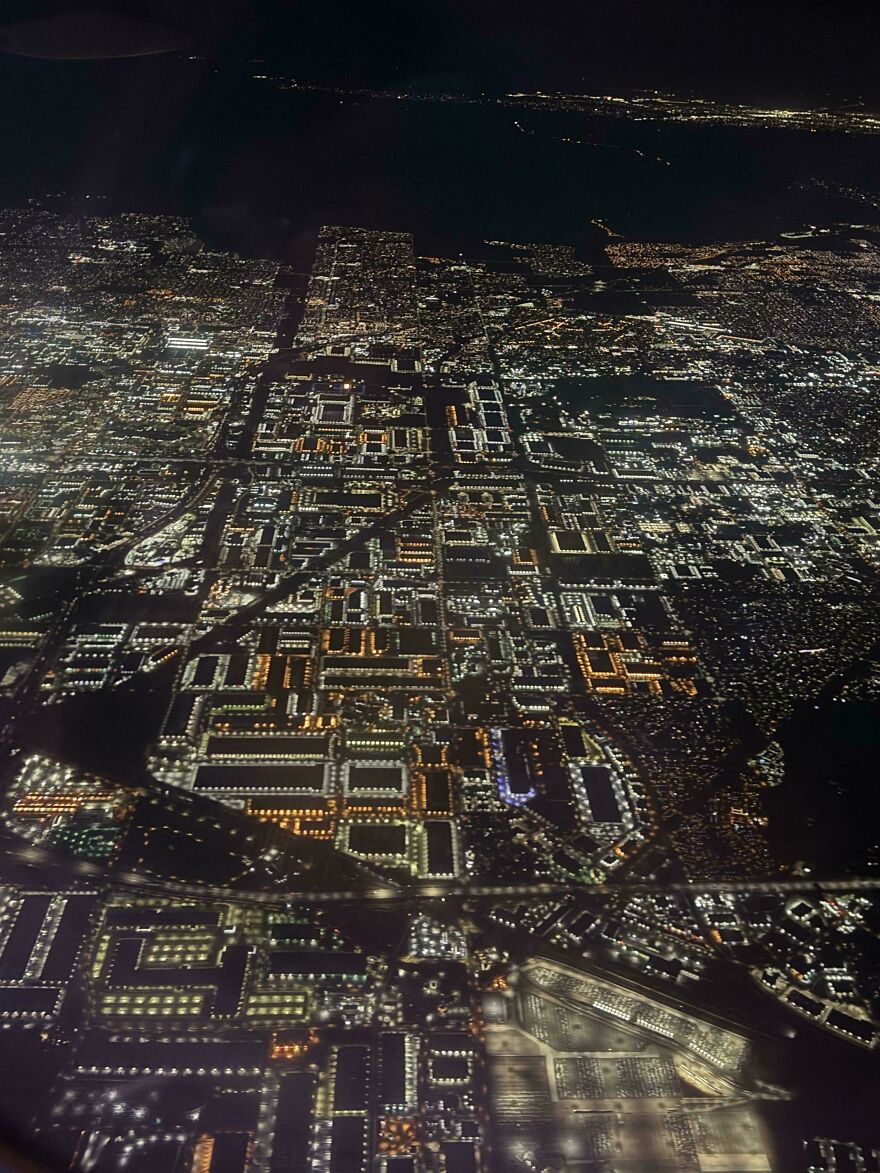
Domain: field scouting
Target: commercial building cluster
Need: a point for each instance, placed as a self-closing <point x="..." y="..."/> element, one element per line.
<point x="373" y="648"/>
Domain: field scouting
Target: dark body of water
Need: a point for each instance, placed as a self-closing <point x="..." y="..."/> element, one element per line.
<point x="260" y="169"/>
<point x="832" y="754"/>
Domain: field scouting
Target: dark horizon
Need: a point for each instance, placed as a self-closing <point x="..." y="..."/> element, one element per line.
<point x="754" y="52"/>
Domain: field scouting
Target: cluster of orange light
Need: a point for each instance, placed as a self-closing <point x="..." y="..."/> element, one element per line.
<point x="289" y="1049"/>
<point x="419" y="755"/>
<point x="415" y="551"/>
<point x="377" y="813"/>
<point x="423" y="797"/>
<point x="525" y="556"/>
<point x="322" y="444"/>
<point x="482" y="737"/>
<point x="296" y="826"/>
<point x="398" y="1135"/>
<point x="294" y="819"/>
<point x="203" y="1155"/>
<point x="261" y="672"/>
<point x="320" y="720"/>
<point x="357" y="641"/>
<point x="33" y="398"/>
<point x="465" y="635"/>
<point x="44" y="806"/>
<point x="623" y="671"/>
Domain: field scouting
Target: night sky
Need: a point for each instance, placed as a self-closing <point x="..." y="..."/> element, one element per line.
<point x="780" y="51"/>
